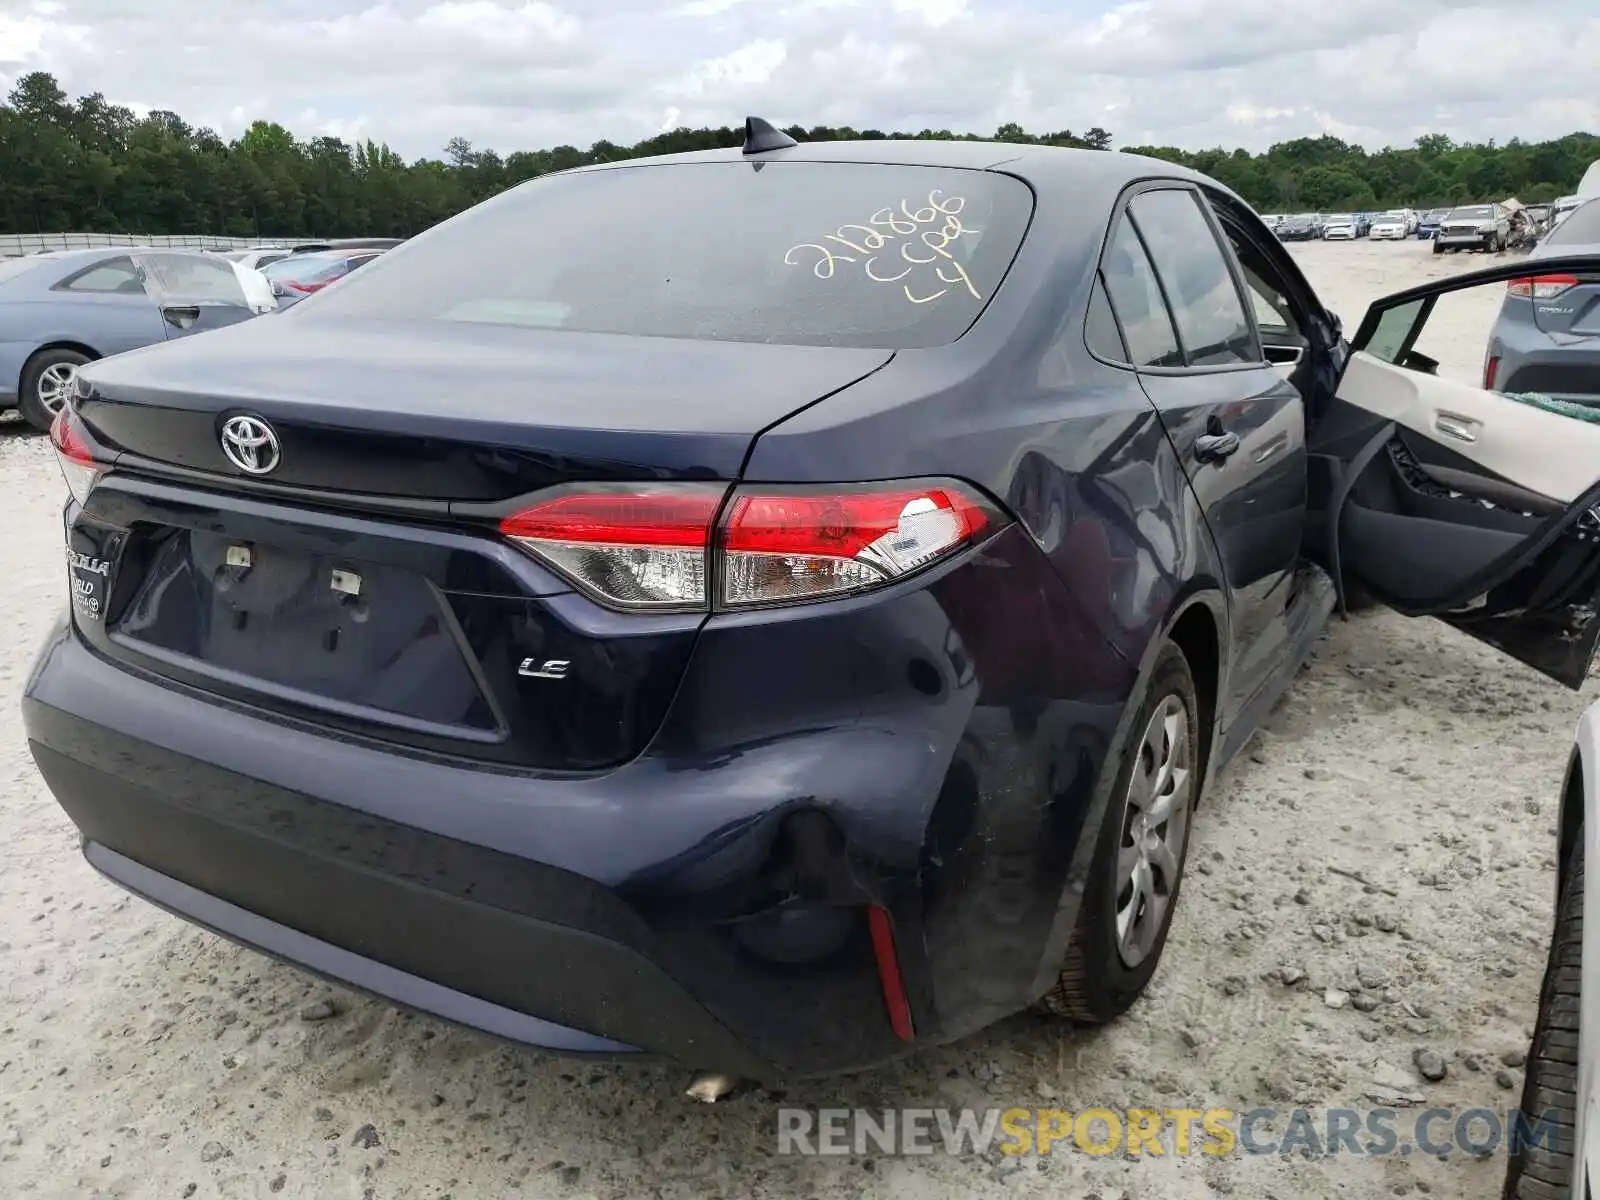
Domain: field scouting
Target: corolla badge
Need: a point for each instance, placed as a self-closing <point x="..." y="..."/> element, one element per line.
<point x="251" y="445"/>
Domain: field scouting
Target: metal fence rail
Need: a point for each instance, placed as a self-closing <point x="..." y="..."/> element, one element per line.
<point x="14" y="244"/>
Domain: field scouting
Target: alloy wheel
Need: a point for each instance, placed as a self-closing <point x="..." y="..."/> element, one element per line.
<point x="1154" y="822"/>
<point x="55" y="386"/>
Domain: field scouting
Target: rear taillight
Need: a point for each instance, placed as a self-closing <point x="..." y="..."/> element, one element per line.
<point x="778" y="546"/>
<point x="1491" y="368"/>
<point x="1541" y="287"/>
<point x="634" y="548"/>
<point x="660" y="548"/>
<point x="78" y="463"/>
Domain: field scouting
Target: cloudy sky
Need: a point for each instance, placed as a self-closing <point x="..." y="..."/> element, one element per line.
<point x="512" y="75"/>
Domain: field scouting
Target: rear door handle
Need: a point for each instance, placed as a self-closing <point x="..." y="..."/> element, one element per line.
<point x="1215" y="447"/>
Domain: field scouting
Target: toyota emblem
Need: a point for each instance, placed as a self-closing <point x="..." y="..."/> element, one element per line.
<point x="251" y="445"/>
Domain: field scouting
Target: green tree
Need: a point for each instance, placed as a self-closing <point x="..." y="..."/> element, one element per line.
<point x="89" y="165"/>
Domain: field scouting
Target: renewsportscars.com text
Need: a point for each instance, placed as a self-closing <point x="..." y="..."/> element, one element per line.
<point x="1160" y="1132"/>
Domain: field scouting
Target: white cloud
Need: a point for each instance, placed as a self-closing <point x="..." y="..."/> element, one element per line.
<point x="524" y="74"/>
<point x="933" y="13"/>
<point x="704" y="8"/>
<point x="747" y="66"/>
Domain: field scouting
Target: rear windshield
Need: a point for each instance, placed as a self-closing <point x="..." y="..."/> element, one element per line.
<point x="826" y="254"/>
<point x="1580" y="228"/>
<point x="304" y="268"/>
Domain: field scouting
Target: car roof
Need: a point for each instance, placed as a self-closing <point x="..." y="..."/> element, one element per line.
<point x="335" y="255"/>
<point x="1102" y="172"/>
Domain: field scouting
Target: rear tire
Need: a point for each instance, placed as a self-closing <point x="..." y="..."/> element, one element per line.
<point x="1544" y="1172"/>
<point x="43" y="377"/>
<point x="1105" y="970"/>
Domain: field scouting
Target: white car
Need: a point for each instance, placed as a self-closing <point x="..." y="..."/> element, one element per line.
<point x="1341" y="227"/>
<point x="1561" y="1090"/>
<point x="1388" y="228"/>
<point x="259" y="257"/>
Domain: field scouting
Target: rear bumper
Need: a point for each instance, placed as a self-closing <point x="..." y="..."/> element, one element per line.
<point x="331" y="962"/>
<point x="706" y="902"/>
<point x="1530" y="361"/>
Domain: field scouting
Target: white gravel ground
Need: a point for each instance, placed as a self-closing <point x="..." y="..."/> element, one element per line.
<point x="142" y="1057"/>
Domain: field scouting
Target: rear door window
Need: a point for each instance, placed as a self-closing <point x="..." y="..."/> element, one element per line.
<point x="832" y="254"/>
<point x="1199" y="286"/>
<point x="116" y="276"/>
<point x="1136" y="297"/>
<point x="1100" y="331"/>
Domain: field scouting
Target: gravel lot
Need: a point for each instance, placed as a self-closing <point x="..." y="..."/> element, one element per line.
<point x="142" y="1057"/>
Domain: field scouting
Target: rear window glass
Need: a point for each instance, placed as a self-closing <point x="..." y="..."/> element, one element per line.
<point x="116" y="275"/>
<point x="1100" y="331"/>
<point x="1581" y="227"/>
<point x="305" y="269"/>
<point x="1200" y="289"/>
<point x="829" y="254"/>
<point x="1136" y="297"/>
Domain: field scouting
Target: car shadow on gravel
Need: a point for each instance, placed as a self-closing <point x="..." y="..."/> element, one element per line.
<point x="335" y="1064"/>
<point x="14" y="428"/>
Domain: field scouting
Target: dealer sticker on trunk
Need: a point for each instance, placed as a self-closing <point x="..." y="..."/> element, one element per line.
<point x="90" y="577"/>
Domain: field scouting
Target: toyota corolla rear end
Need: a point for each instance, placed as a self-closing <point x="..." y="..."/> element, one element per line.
<point x="1547" y="338"/>
<point x="430" y="637"/>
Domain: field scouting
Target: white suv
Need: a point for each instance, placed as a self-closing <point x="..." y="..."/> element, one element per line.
<point x="1474" y="227"/>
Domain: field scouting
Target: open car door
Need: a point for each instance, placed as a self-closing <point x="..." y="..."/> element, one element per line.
<point x="1440" y="498"/>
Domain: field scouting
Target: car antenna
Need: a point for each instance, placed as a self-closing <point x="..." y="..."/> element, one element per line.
<point x="761" y="136"/>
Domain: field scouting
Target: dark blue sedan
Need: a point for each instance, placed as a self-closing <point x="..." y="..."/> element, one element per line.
<point x="776" y="610"/>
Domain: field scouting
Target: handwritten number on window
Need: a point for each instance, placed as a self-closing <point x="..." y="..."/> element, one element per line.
<point x="924" y="234"/>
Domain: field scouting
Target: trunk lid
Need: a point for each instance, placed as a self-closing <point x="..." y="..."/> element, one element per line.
<point x="1573" y="312"/>
<point x="442" y="411"/>
<point x="362" y="586"/>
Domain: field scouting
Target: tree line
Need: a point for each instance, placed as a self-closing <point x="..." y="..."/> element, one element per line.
<point x="88" y="165"/>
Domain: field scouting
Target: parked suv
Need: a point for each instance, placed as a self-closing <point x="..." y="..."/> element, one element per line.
<point x="1474" y="227"/>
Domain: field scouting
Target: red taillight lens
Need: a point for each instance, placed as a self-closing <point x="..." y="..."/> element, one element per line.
<point x="652" y="547"/>
<point x="78" y="464"/>
<point x="1491" y="368"/>
<point x="1541" y="287"/>
<point x="634" y="548"/>
<point x="796" y="545"/>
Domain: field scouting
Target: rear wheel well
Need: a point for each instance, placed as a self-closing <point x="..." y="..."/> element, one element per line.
<point x="78" y="347"/>
<point x="1570" y="823"/>
<point x="1195" y="633"/>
